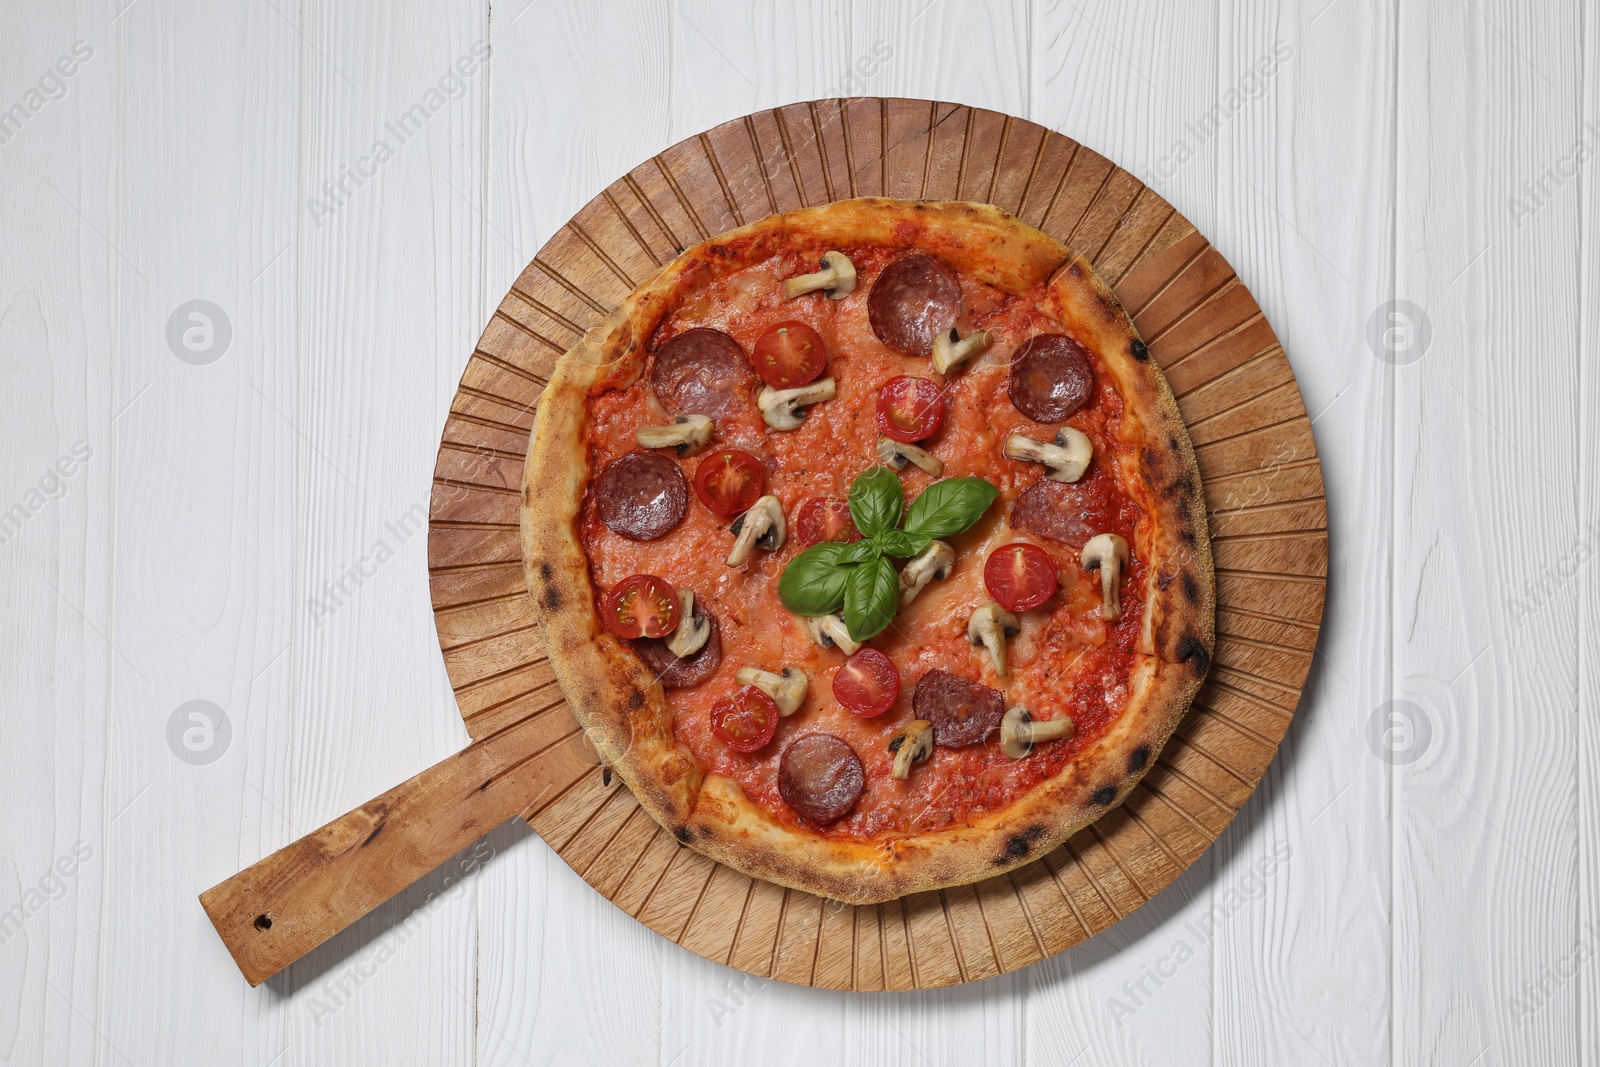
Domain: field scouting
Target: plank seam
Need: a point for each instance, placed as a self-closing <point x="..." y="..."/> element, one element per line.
<point x="688" y="208"/>
<point x="638" y="237"/>
<point x="722" y="181"/>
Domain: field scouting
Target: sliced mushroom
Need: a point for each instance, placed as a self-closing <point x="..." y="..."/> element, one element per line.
<point x="897" y="454"/>
<point x="787" y="690"/>
<point x="760" y="527"/>
<point x="829" y="631"/>
<point x="935" y="561"/>
<point x="784" y="409"/>
<point x="1064" y="461"/>
<point x="687" y="434"/>
<point x="837" y="276"/>
<point x="1108" y="554"/>
<point x="692" y="633"/>
<point x="913" y="743"/>
<point x="950" y="350"/>
<point x="990" y="626"/>
<point x="1019" y="733"/>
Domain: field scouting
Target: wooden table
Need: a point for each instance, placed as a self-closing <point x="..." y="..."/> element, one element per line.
<point x="1415" y="879"/>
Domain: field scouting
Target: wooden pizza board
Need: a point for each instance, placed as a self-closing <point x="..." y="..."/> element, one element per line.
<point x="1258" y="460"/>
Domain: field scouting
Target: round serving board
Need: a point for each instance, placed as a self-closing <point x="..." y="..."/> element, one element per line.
<point x="1263" y="487"/>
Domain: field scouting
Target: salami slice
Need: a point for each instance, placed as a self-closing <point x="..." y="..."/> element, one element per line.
<point x="913" y="298"/>
<point x="1068" y="513"/>
<point x="641" y="495"/>
<point x="821" y="778"/>
<point x="1050" y="378"/>
<point x="963" y="713"/>
<point x="689" y="671"/>
<point x="702" y="372"/>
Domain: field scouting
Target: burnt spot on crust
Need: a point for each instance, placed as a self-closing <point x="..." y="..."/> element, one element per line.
<point x="682" y="834"/>
<point x="1138" y="758"/>
<point x="1105" y="794"/>
<point x="551" y="598"/>
<point x="1191" y="588"/>
<point x="1190" y="650"/>
<point x="546" y="571"/>
<point x="1137" y="349"/>
<point x="1162" y="581"/>
<point x="1019" y="844"/>
<point x="1188" y="536"/>
<point x="707" y="833"/>
<point x="635" y="700"/>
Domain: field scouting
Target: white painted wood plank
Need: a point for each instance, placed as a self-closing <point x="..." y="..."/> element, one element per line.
<point x="204" y="540"/>
<point x="391" y="269"/>
<point x="564" y="976"/>
<point x="58" y="786"/>
<point x="1486" y="893"/>
<point x="1580" y="963"/>
<point x="1303" y="977"/>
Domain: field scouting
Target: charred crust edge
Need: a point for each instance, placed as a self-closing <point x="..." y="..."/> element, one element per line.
<point x="1191" y="650"/>
<point x="1138" y="758"/>
<point x="1105" y="795"/>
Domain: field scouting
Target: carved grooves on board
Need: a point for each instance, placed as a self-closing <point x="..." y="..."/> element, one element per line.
<point x="1257" y="456"/>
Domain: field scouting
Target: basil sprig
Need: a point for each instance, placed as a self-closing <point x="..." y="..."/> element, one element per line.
<point x="858" y="580"/>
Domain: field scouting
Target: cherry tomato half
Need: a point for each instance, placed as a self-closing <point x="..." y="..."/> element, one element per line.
<point x="729" y="482"/>
<point x="789" y="355"/>
<point x="825" y="518"/>
<point x="641" y="605"/>
<point x="910" y="409"/>
<point x="1020" y="576"/>
<point x="868" y="683"/>
<point x="745" y="721"/>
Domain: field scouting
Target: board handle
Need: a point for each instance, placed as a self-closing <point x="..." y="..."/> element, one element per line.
<point x="272" y="913"/>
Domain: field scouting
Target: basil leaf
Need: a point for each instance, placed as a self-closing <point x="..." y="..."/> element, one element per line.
<point x="871" y="597"/>
<point x="861" y="551"/>
<point x="876" y="500"/>
<point x="951" y="506"/>
<point x="814" y="581"/>
<point x="901" y="543"/>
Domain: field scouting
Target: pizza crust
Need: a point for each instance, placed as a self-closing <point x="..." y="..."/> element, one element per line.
<point x="625" y="711"/>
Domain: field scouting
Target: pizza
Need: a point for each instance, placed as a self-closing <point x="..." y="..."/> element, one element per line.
<point x="868" y="546"/>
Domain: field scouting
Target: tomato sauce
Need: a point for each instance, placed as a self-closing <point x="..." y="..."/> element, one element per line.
<point x="1067" y="661"/>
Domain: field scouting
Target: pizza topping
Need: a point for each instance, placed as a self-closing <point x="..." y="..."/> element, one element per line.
<point x="1108" y="554"/>
<point x="825" y="518"/>
<point x="910" y="409"/>
<point x="1064" y="461"/>
<point x="690" y="670"/>
<point x="1019" y="732"/>
<point x="935" y="561"/>
<point x="868" y="683"/>
<point x="787" y="690"/>
<point x="1050" y="378"/>
<point x="913" y="743"/>
<point x="898" y="453"/>
<point x="789" y="354"/>
<point x="729" y="482"/>
<point x="641" y="605"/>
<point x="963" y="713"/>
<point x="950" y="350"/>
<point x="641" y="495"/>
<point x="1060" y="512"/>
<point x="821" y="778"/>
<point x="837" y="278"/>
<point x="785" y="409"/>
<point x="746" y="721"/>
<point x="760" y="527"/>
<point x="687" y="435"/>
<point x="693" y="629"/>
<point x="829" y="631"/>
<point x="1020" y="576"/>
<point x="701" y="372"/>
<point x="990" y="626"/>
<point x="914" y="298"/>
